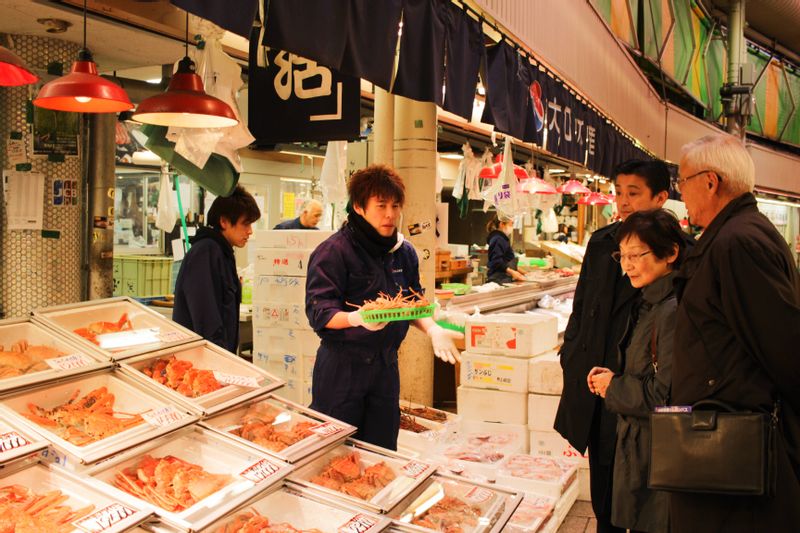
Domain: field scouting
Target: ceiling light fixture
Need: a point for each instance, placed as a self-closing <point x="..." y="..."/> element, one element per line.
<point x="83" y="90"/>
<point x="13" y="71"/>
<point x="185" y="103"/>
<point x="573" y="187"/>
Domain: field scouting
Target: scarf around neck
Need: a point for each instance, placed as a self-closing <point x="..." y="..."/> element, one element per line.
<point x="368" y="237"/>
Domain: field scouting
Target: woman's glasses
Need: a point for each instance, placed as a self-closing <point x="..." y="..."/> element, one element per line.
<point x="619" y="257"/>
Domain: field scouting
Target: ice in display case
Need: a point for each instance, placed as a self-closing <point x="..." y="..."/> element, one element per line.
<point x="190" y="478"/>
<point x="370" y="477"/>
<point x="86" y="508"/>
<point x="17" y="443"/>
<point x="302" y="510"/>
<point x="86" y="433"/>
<point x="201" y="376"/>
<point x="118" y="327"/>
<point x="280" y="428"/>
<point x="31" y="354"/>
<point x="449" y="503"/>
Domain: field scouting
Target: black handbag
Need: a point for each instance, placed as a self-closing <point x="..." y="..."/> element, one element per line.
<point x="713" y="449"/>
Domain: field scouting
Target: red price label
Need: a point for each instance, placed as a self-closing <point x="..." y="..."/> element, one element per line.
<point x="327" y="429"/>
<point x="360" y="523"/>
<point x="414" y="469"/>
<point x="104" y="518"/>
<point x="260" y="471"/>
<point x="12" y="441"/>
<point x="479" y="495"/>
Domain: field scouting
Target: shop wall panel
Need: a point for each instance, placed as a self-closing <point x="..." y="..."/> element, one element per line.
<point x="36" y="271"/>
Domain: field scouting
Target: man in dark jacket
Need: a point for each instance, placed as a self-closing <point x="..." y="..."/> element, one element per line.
<point x="737" y="330"/>
<point x="308" y="219"/>
<point x="600" y="311"/>
<point x="208" y="290"/>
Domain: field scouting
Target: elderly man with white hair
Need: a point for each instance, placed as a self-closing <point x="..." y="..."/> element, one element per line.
<point x="737" y="337"/>
<point x="308" y="219"/>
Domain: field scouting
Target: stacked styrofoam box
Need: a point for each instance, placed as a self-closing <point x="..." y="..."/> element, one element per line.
<point x="495" y="367"/>
<point x="283" y="341"/>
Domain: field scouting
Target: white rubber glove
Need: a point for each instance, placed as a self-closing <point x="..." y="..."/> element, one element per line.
<point x="355" y="319"/>
<point x="443" y="345"/>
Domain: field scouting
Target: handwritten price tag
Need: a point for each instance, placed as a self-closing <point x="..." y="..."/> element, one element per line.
<point x="479" y="495"/>
<point x="327" y="429"/>
<point x="173" y="336"/>
<point x="260" y="471"/>
<point x="233" y="379"/>
<point x="68" y="362"/>
<point x="414" y="469"/>
<point x="104" y="518"/>
<point x="12" y="441"/>
<point x="163" y="416"/>
<point x="360" y="523"/>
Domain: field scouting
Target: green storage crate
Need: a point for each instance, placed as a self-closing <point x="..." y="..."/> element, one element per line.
<point x="142" y="275"/>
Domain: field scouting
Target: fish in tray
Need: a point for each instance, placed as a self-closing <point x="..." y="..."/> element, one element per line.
<point x="448" y="515"/>
<point x="258" y="426"/>
<point x="425" y="412"/>
<point x="94" y="329"/>
<point x="83" y="420"/>
<point x="24" y="358"/>
<point x="344" y="474"/>
<point x="21" y="509"/>
<point x="252" y="521"/>
<point x="180" y="375"/>
<point x="169" y="482"/>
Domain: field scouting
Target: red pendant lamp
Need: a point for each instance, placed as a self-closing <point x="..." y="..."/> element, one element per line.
<point x="493" y="171"/>
<point x="185" y="103"/>
<point x="13" y="71"/>
<point x="83" y="90"/>
<point x="573" y="187"/>
<point x="595" y="198"/>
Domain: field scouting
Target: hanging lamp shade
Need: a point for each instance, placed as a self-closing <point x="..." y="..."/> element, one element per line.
<point x="540" y="186"/>
<point x="83" y="91"/>
<point x="595" y="198"/>
<point x="185" y="103"/>
<point x="520" y="173"/>
<point x="13" y="71"/>
<point x="573" y="187"/>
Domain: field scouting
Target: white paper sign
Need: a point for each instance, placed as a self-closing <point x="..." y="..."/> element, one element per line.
<point x="24" y="196"/>
<point x="360" y="523"/>
<point x="68" y="362"/>
<point x="104" y="519"/>
<point x="414" y="469"/>
<point x="260" y="471"/>
<point x="15" y="150"/>
<point x="478" y="495"/>
<point x="173" y="336"/>
<point x="163" y="416"/>
<point x="327" y="429"/>
<point x="233" y="379"/>
<point x="129" y="338"/>
<point x="12" y="441"/>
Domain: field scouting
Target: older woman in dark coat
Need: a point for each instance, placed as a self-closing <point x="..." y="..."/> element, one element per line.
<point x="651" y="246"/>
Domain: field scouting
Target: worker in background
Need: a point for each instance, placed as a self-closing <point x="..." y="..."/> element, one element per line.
<point x="356" y="376"/>
<point x="308" y="219"/>
<point x="502" y="267"/>
<point x="208" y="290"/>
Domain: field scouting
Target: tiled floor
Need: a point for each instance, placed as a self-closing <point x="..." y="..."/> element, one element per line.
<point x="580" y="519"/>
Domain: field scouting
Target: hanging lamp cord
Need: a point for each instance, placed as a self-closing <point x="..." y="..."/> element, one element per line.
<point x="186" y="40"/>
<point x="84" y="24"/>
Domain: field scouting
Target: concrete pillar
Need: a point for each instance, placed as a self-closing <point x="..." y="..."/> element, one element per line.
<point x="101" y="205"/>
<point x="383" y="127"/>
<point x="415" y="160"/>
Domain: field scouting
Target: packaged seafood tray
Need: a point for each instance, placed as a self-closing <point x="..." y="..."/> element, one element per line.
<point x="370" y="477"/>
<point x="31" y="354"/>
<point x="279" y="428"/>
<point x="16" y="443"/>
<point x="62" y="502"/>
<point x="93" y="416"/>
<point x="295" y="510"/>
<point x="448" y="503"/>
<point x="118" y="327"/>
<point x="201" y="376"/>
<point x="549" y="476"/>
<point x="417" y="433"/>
<point x="532" y="514"/>
<point x="190" y="478"/>
<point x="476" y="450"/>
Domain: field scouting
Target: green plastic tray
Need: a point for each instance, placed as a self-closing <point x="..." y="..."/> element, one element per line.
<point x="397" y="315"/>
<point x="449" y="325"/>
<point x="457" y="288"/>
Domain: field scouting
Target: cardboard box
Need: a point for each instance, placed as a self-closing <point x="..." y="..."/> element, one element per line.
<point x="291" y="239"/>
<point x="545" y="375"/>
<point x="280" y="315"/>
<point x="299" y="342"/>
<point x="542" y="411"/>
<point x="494" y="372"/>
<point x="282" y="261"/>
<point x="290" y="289"/>
<point x="492" y="406"/>
<point x="518" y="335"/>
<point x="552" y="444"/>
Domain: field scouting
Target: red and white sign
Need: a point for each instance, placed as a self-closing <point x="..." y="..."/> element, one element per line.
<point x="414" y="469"/>
<point x="12" y="441"/>
<point x="360" y="523"/>
<point x="479" y="495"/>
<point x="327" y="429"/>
<point x="68" y="362"/>
<point x="233" y="379"/>
<point x="104" y="518"/>
<point x="260" y="471"/>
<point x="163" y="416"/>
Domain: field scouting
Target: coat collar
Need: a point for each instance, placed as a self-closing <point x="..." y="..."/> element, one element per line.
<point x="745" y="202"/>
<point x="659" y="290"/>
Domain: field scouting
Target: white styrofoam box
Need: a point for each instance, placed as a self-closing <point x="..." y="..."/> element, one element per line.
<point x="545" y="375"/>
<point x="421" y="442"/>
<point x="543" y="475"/>
<point x="494" y="372"/>
<point x="542" y="411"/>
<point x="584" y="485"/>
<point x="280" y="315"/>
<point x="308" y="367"/>
<point x="552" y="444"/>
<point x="531" y="515"/>
<point x="306" y="393"/>
<point x="566" y="501"/>
<point x="279" y="289"/>
<point x="292" y="238"/>
<point x="512" y="437"/>
<point x="492" y="406"/>
<point x="282" y="261"/>
<point x="292" y="391"/>
<point x="302" y="342"/>
<point x="519" y="335"/>
<point x="286" y="366"/>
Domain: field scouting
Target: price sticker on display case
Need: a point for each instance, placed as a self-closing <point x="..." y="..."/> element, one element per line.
<point x="479" y="495"/>
<point x="360" y="523"/>
<point x="12" y="441"/>
<point x="172" y="336"/>
<point x="260" y="471"/>
<point x="68" y="362"/>
<point x="163" y="416"/>
<point x="104" y="519"/>
<point x="233" y="379"/>
<point x="414" y="469"/>
<point x="327" y="429"/>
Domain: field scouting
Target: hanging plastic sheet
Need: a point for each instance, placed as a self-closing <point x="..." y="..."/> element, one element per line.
<point x="332" y="179"/>
<point x="167" y="212"/>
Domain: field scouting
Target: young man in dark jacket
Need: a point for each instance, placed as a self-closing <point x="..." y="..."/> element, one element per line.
<point x="602" y="304"/>
<point x="208" y="290"/>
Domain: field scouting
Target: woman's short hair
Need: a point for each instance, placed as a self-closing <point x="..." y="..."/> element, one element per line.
<point x="725" y="155"/>
<point x="658" y="229"/>
<point x="381" y="181"/>
<point x="495" y="221"/>
<point x="239" y="204"/>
